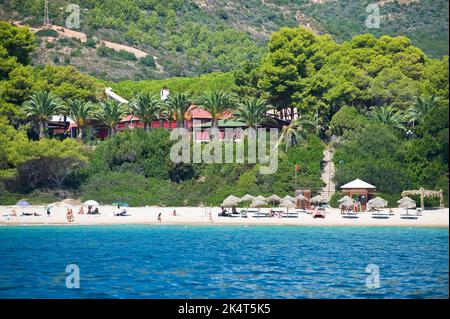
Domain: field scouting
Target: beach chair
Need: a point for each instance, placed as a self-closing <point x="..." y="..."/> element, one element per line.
<point x="380" y="215"/>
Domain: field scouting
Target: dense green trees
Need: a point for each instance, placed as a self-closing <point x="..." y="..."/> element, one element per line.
<point x="147" y="108"/>
<point x="81" y="112"/>
<point x="253" y="112"/>
<point x="41" y="106"/>
<point x="217" y="103"/>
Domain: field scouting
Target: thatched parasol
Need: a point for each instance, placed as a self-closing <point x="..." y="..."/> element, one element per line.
<point x="405" y="199"/>
<point x="287" y="203"/>
<point x="274" y="198"/>
<point x="247" y="198"/>
<point x="301" y="197"/>
<point x="231" y="201"/>
<point x="345" y="198"/>
<point x="407" y="205"/>
<point x="317" y="199"/>
<point x="258" y="203"/>
<point x="260" y="197"/>
<point x="288" y="197"/>
<point x="378" y="202"/>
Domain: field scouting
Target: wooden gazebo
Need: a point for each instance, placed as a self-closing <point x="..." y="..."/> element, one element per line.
<point x="426" y="193"/>
<point x="362" y="189"/>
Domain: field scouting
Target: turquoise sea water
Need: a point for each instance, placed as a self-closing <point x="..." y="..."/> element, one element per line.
<point x="223" y="262"/>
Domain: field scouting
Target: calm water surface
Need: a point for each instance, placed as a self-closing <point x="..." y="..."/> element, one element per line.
<point x="223" y="262"/>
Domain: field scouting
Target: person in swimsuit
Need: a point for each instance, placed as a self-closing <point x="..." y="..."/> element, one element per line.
<point x="159" y="217"/>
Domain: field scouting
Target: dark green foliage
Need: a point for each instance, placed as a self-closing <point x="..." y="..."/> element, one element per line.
<point x="148" y="60"/>
<point x="47" y="33"/>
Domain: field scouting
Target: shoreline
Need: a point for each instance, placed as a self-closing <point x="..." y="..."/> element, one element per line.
<point x="198" y="216"/>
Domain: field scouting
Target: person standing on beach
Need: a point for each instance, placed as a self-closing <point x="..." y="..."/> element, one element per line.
<point x="159" y="217"/>
<point x="47" y="208"/>
<point x="210" y="217"/>
<point x="174" y="213"/>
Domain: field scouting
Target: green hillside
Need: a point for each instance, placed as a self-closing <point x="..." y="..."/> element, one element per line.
<point x="190" y="38"/>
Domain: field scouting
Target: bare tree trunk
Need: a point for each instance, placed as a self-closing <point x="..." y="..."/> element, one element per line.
<point x="41" y="130"/>
<point x="80" y="133"/>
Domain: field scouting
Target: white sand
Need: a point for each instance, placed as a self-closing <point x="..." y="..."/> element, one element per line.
<point x="198" y="216"/>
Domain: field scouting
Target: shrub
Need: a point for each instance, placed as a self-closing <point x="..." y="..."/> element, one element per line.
<point x="148" y="60"/>
<point x="47" y="33"/>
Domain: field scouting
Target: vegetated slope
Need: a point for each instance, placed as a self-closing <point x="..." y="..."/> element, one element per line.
<point x="200" y="36"/>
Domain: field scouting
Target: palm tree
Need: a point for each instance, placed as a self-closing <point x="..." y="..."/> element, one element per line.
<point x="146" y="107"/>
<point x="389" y="116"/>
<point x="253" y="112"/>
<point x="216" y="103"/>
<point x="423" y="105"/>
<point x="296" y="131"/>
<point x="41" y="106"/>
<point x="81" y="112"/>
<point x="177" y="106"/>
<point x="111" y="113"/>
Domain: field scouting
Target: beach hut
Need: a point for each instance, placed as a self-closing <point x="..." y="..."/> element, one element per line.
<point x="247" y="198"/>
<point x="363" y="190"/>
<point x="274" y="198"/>
<point x="302" y="201"/>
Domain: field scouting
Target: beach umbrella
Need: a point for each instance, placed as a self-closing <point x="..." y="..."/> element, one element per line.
<point x="301" y="197"/>
<point x="287" y="203"/>
<point x="247" y="198"/>
<point x="378" y="202"/>
<point x="407" y="205"/>
<point x="345" y="198"/>
<point x="258" y="202"/>
<point x="317" y="199"/>
<point x="288" y="197"/>
<point x="23" y="203"/>
<point x="231" y="201"/>
<point x="348" y="203"/>
<point x="405" y="199"/>
<point x="274" y="198"/>
<point x="123" y="204"/>
<point x="91" y="203"/>
<point x="261" y="198"/>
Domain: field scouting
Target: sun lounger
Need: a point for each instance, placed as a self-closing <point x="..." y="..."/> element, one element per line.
<point x="380" y="215"/>
<point x="259" y="214"/>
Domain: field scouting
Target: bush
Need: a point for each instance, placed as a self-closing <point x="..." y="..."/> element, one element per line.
<point x="148" y="60"/>
<point x="47" y="33"/>
<point x="90" y="42"/>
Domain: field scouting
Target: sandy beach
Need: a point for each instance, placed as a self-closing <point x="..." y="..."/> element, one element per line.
<point x="200" y="216"/>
